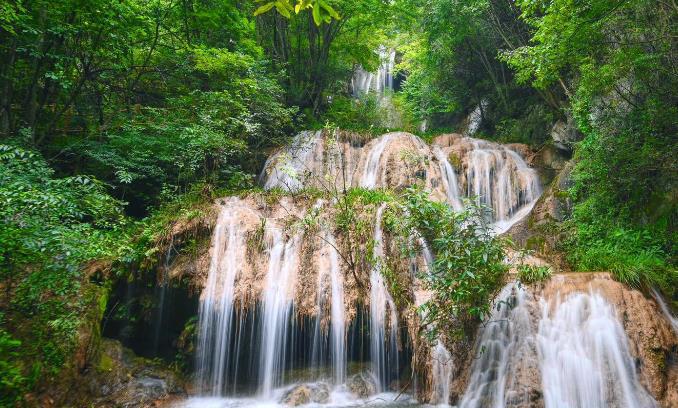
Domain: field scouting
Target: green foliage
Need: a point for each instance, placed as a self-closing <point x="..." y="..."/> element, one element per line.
<point x="635" y="256"/>
<point x="147" y="97"/>
<point x="531" y="128"/>
<point x="451" y="59"/>
<point x="532" y="273"/>
<point x="49" y="228"/>
<point x="319" y="59"/>
<point x="13" y="381"/>
<point x="611" y="58"/>
<point x="321" y="11"/>
<point x="361" y="114"/>
<point x="468" y="266"/>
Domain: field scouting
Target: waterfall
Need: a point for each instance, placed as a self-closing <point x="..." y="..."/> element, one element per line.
<point x="277" y="308"/>
<point x="442" y="364"/>
<point x="441" y="370"/>
<point x="372" y="169"/>
<point x="500" y="179"/>
<point x="503" y="337"/>
<point x="585" y="359"/>
<point x="338" y="321"/>
<point x="475" y="118"/>
<point x="329" y="274"/>
<point x="665" y="309"/>
<point x="449" y="178"/>
<point x="216" y="304"/>
<point x="381" y="303"/>
<point x="363" y="81"/>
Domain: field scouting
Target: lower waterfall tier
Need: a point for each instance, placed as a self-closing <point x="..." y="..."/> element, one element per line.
<point x="284" y="322"/>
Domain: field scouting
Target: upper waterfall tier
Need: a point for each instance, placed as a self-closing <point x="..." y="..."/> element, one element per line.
<point x="364" y="82"/>
<point x="450" y="168"/>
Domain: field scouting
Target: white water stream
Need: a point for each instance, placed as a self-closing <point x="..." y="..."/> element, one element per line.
<point x="584" y="355"/>
<point x="277" y="307"/>
<point x="665" y="309"/>
<point x="501" y="180"/>
<point x="372" y="170"/>
<point x="504" y="336"/>
<point x="449" y="178"/>
<point x="216" y="306"/>
<point x="383" y="349"/>
<point x="364" y="82"/>
<point x="288" y="168"/>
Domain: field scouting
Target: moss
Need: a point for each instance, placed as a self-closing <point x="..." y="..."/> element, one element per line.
<point x="658" y="359"/>
<point x="455" y="161"/>
<point x="535" y="243"/>
<point x="106" y="363"/>
<point x="561" y="194"/>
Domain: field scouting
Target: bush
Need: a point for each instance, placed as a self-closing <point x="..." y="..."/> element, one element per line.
<point x="350" y="113"/>
<point x="49" y="227"/>
<point x="468" y="267"/>
<point x="634" y="255"/>
<point x="13" y="383"/>
<point x="531" y="273"/>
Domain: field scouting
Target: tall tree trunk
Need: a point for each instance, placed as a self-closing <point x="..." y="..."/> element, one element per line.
<point x="6" y="88"/>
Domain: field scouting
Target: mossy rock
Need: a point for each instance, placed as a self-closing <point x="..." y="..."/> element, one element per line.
<point x="105" y="363"/>
<point x="535" y="243"/>
<point x="455" y="161"/>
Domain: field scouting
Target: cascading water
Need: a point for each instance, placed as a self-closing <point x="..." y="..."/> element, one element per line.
<point x="277" y="308"/>
<point x="338" y="321"/>
<point x="372" y="169"/>
<point x="504" y="336"/>
<point x="441" y="373"/>
<point x="449" y="178"/>
<point x="381" y="307"/>
<point x="329" y="275"/>
<point x="501" y="180"/>
<point x="585" y="360"/>
<point x="252" y="334"/>
<point x="665" y="309"/>
<point x="216" y="305"/>
<point x="287" y="168"/>
<point x="363" y="82"/>
<point x="442" y="365"/>
<point x="475" y="118"/>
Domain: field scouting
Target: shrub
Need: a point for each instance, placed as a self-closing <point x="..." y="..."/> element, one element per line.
<point x="531" y="273"/>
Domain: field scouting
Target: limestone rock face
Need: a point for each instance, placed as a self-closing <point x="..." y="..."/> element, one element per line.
<point x="318" y="393"/>
<point x="361" y="384"/>
<point x="539" y="231"/>
<point x="565" y="134"/>
<point x="334" y="161"/>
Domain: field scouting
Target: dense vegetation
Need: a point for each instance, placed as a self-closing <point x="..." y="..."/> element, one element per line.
<point x="112" y="112"/>
<point x="605" y="67"/>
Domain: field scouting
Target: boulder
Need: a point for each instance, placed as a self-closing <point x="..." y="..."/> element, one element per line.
<point x="301" y="394"/>
<point x="565" y="134"/>
<point x="362" y="384"/>
<point x="121" y="379"/>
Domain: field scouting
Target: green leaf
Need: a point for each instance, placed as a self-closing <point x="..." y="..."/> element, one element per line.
<point x="266" y="7"/>
<point x="329" y="10"/>
<point x="280" y="6"/>
<point x="317" y="18"/>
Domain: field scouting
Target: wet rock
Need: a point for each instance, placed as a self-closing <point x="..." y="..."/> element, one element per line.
<point x="565" y="134"/>
<point x="541" y="230"/>
<point x="362" y="384"/>
<point x="121" y="379"/>
<point x="306" y="393"/>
